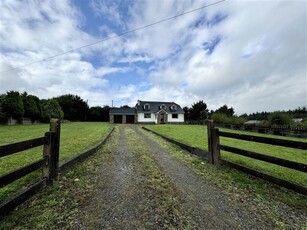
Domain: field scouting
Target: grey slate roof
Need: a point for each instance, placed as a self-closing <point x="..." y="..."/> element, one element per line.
<point x="155" y="106"/>
<point x="122" y="111"/>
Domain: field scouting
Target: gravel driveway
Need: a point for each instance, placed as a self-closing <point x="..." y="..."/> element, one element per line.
<point x="123" y="200"/>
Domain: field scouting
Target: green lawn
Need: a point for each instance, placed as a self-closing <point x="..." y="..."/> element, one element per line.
<point x="75" y="137"/>
<point x="196" y="135"/>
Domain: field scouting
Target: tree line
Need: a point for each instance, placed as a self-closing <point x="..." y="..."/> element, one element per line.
<point x="69" y="107"/>
<point x="226" y="115"/>
<point x="73" y="108"/>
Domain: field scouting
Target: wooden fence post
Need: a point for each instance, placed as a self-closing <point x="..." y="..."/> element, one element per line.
<point x="48" y="154"/>
<point x="210" y="125"/>
<point x="55" y="127"/>
<point x="215" y="141"/>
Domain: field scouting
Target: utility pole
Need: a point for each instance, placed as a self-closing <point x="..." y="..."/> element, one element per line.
<point x="112" y="103"/>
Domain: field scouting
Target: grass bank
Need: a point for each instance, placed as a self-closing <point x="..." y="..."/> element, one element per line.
<point x="287" y="209"/>
<point x="75" y="137"/>
<point x="58" y="207"/>
<point x="196" y="135"/>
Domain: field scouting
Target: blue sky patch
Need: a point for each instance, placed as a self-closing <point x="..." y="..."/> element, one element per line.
<point x="210" y="46"/>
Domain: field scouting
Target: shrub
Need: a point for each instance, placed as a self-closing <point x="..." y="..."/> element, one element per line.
<point x="279" y="118"/>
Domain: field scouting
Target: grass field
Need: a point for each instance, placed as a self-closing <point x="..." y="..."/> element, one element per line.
<point x="75" y="137"/>
<point x="196" y="135"/>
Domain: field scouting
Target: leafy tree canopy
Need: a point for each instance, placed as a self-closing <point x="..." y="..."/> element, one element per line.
<point x="229" y="112"/>
<point x="12" y="105"/>
<point x="74" y="107"/>
<point x="52" y="109"/>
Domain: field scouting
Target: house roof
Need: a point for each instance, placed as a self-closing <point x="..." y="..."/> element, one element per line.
<point x="156" y="106"/>
<point x="252" y="122"/>
<point x="122" y="111"/>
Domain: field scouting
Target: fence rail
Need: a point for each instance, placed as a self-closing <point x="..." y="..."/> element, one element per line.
<point x="6" y="150"/>
<point x="50" y="143"/>
<point x="263" y="157"/>
<point x="266" y="140"/>
<point x="49" y="164"/>
<point x="214" y="148"/>
<point x="21" y="172"/>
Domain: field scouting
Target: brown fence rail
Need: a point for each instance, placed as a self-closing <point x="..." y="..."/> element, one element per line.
<point x="214" y="148"/>
<point x="49" y="164"/>
<point x="274" y="160"/>
<point x="21" y="146"/>
<point x="49" y="141"/>
<point x="21" y="172"/>
<point x="266" y="140"/>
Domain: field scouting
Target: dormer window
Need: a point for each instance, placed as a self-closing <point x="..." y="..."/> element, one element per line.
<point x="162" y="106"/>
<point x="174" y="107"/>
<point x="146" y="106"/>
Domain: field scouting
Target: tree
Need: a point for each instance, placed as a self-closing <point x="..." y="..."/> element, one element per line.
<point x="52" y="109"/>
<point x="125" y="106"/>
<point x="12" y="105"/>
<point x="187" y="113"/>
<point x="279" y="118"/>
<point x="199" y="111"/>
<point x="31" y="106"/>
<point x="98" y="113"/>
<point x="73" y="107"/>
<point x="229" y="112"/>
<point x="221" y="118"/>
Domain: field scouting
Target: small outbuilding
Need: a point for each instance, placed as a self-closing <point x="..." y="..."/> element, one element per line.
<point x="123" y="115"/>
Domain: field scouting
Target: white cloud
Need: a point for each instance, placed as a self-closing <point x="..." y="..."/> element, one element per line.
<point x="259" y="63"/>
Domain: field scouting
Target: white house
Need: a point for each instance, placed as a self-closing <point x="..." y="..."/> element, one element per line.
<point x="148" y="112"/>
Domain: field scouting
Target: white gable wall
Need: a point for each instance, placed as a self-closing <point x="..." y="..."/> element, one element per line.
<point x="179" y="119"/>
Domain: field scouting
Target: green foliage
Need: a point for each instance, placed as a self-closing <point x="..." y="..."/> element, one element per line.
<point x="198" y="111"/>
<point x="279" y="118"/>
<point x="74" y="108"/>
<point x="98" y="113"/>
<point x="221" y="118"/>
<point x="12" y="105"/>
<point x="31" y="106"/>
<point x="52" y="109"/>
<point x="238" y="120"/>
<point x="225" y="110"/>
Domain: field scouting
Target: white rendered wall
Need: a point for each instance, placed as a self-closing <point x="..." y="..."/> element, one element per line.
<point x="179" y="119"/>
<point x="141" y="118"/>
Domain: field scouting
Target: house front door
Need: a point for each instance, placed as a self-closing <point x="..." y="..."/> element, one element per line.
<point x="162" y="118"/>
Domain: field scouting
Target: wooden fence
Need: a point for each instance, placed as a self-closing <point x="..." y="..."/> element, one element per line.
<point x="214" y="156"/>
<point x="49" y="163"/>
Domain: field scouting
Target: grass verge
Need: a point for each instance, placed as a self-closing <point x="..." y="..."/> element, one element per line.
<point x="287" y="209"/>
<point x="58" y="207"/>
<point x="75" y="137"/>
<point x="196" y="135"/>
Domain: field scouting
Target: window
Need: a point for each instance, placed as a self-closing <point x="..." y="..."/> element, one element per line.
<point x="162" y="106"/>
<point x="175" y="115"/>
<point x="147" y="115"/>
<point x="146" y="107"/>
<point x="173" y="107"/>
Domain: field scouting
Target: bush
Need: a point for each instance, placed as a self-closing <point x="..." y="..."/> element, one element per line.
<point x="221" y="118"/>
<point x="279" y="118"/>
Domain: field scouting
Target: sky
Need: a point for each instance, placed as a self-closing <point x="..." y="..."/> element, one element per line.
<point x="249" y="55"/>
